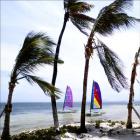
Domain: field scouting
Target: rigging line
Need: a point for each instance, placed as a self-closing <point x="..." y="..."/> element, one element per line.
<point x="2" y="112"/>
<point x="138" y="81"/>
<point x="138" y="115"/>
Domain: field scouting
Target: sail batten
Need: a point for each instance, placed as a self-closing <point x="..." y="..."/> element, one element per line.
<point x="68" y="101"/>
<point x="96" y="100"/>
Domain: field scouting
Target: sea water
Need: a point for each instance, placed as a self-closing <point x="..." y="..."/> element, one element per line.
<point x="28" y="116"/>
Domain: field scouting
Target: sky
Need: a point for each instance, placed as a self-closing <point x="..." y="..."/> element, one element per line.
<point x="18" y="18"/>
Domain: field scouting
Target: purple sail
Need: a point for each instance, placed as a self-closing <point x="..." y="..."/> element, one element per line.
<point x="68" y="98"/>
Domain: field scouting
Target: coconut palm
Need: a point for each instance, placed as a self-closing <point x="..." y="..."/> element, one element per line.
<point x="75" y="11"/>
<point x="37" y="50"/>
<point x="131" y="96"/>
<point x="109" y="18"/>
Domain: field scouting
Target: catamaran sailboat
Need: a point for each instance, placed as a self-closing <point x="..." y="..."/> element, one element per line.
<point x="96" y="100"/>
<point x="68" y="102"/>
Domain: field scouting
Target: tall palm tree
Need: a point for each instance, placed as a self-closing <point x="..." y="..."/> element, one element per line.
<point x="131" y="96"/>
<point x="37" y="50"/>
<point x="75" y="11"/>
<point x="109" y="18"/>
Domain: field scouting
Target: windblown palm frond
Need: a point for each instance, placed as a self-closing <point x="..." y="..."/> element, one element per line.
<point x="45" y="86"/>
<point x="79" y="7"/>
<point x="112" y="17"/>
<point x="112" y="66"/>
<point x="37" y="49"/>
<point x="76" y="6"/>
<point x="120" y="5"/>
<point x="82" y="22"/>
<point x="76" y="10"/>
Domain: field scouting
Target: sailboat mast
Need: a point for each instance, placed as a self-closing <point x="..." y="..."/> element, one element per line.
<point x="92" y="97"/>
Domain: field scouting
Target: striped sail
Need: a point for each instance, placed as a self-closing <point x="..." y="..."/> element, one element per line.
<point x="96" y="99"/>
<point x="68" y="101"/>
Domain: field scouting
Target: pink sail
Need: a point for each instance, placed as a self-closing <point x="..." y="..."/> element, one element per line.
<point x="68" y="98"/>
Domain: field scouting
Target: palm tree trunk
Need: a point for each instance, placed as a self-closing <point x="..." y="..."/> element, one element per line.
<point x="8" y="109"/>
<point x="53" y="100"/>
<point x="83" y="108"/>
<point x="130" y="104"/>
<point x="88" y="53"/>
<point x="129" y="120"/>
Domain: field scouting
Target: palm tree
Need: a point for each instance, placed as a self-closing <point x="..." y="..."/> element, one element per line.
<point x="131" y="96"/>
<point x="74" y="10"/>
<point x="109" y="18"/>
<point x="37" y="50"/>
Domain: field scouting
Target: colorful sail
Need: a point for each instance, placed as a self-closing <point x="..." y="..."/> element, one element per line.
<point x="68" y="101"/>
<point x="96" y="99"/>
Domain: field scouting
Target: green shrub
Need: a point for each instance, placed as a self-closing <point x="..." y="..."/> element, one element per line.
<point x="97" y="123"/>
<point x="122" y="123"/>
<point x="46" y="134"/>
<point x="112" y="124"/>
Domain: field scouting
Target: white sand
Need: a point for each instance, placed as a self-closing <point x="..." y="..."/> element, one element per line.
<point x="106" y="132"/>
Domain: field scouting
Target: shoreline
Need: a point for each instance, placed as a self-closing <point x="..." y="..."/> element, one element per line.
<point x="100" y="129"/>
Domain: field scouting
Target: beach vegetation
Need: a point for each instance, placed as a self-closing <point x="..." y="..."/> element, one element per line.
<point x="46" y="134"/>
<point x="122" y="122"/>
<point x="97" y="123"/>
<point x="72" y="129"/>
<point x="109" y="121"/>
<point x="110" y="17"/>
<point x="75" y="12"/>
<point x="112" y="123"/>
<point x="36" y="51"/>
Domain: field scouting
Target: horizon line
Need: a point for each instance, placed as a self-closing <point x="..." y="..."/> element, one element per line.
<point x="138" y="101"/>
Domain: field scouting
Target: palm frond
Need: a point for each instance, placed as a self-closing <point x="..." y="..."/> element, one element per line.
<point x="82" y="22"/>
<point x="120" y="5"/>
<point x="113" y="17"/>
<point x="81" y="29"/>
<point x="76" y="6"/>
<point x="83" y="17"/>
<point x="47" y="88"/>
<point x="36" y="48"/>
<point x="108" y="22"/>
<point x="76" y="10"/>
<point x="80" y="7"/>
<point x="112" y="66"/>
<point x="39" y="62"/>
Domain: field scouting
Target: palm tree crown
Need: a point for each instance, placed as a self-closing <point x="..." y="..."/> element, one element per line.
<point x="37" y="50"/>
<point x="113" y="17"/>
<point x="76" y="11"/>
<point x="109" y="18"/>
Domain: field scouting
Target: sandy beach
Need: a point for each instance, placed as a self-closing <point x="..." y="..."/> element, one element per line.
<point x="105" y="130"/>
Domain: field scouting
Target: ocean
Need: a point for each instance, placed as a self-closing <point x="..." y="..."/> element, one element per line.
<point x="28" y="116"/>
